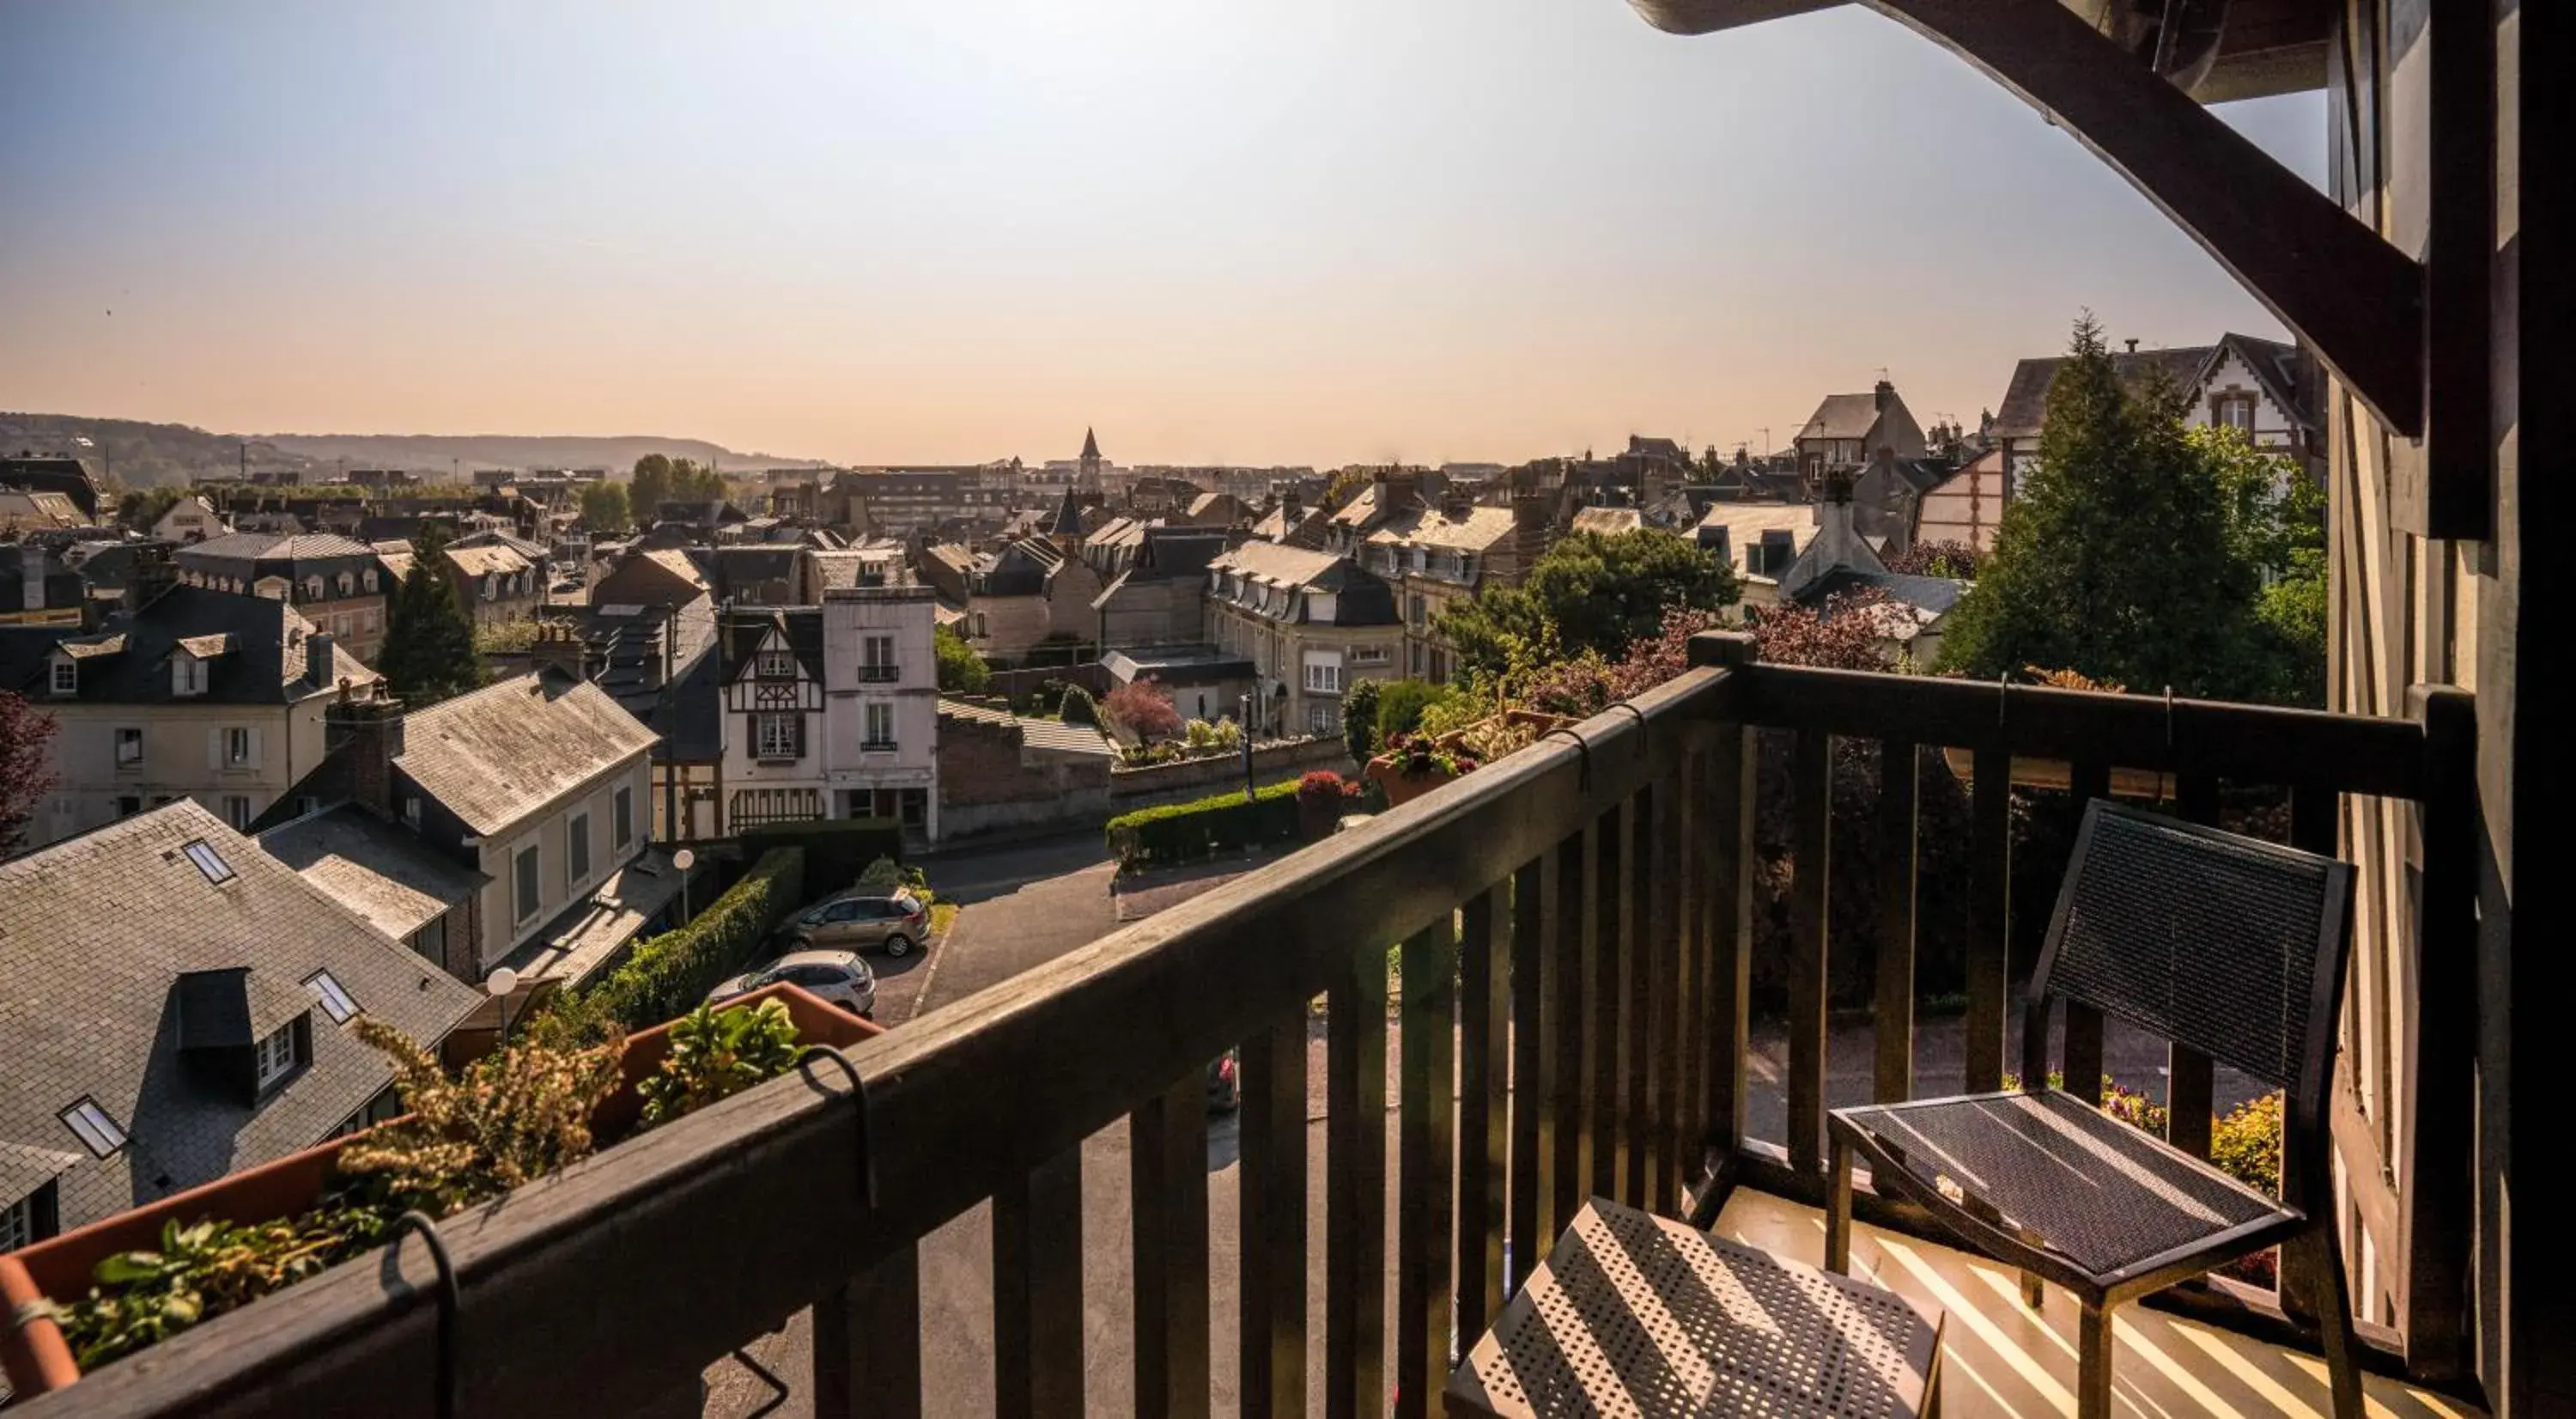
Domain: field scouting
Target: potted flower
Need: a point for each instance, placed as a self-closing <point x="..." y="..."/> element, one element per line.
<point x="1415" y="764"/>
<point x="126" y="1282"/>
<point x="1322" y="797"/>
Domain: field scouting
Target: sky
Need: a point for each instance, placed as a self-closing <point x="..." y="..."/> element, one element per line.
<point x="1259" y="231"/>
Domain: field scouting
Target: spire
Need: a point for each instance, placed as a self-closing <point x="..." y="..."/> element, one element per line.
<point x="1090" y="447"/>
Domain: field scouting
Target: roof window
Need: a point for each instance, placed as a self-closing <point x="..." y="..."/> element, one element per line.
<point x="334" y="997"/>
<point x="209" y="861"/>
<point x="95" y="1129"/>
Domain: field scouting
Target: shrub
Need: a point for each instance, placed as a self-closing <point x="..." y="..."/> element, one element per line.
<point x="668" y="975"/>
<point x="883" y="875"/>
<point x="716" y="1054"/>
<point x="1325" y="786"/>
<point x="837" y="850"/>
<point x="1359" y="720"/>
<point x="1400" y="704"/>
<point x="1185" y="832"/>
<point x="1078" y="707"/>
<point x="960" y="668"/>
<point x="1143" y="709"/>
<point x="505" y="1121"/>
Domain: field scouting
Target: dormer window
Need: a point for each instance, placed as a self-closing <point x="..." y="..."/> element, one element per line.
<point x="313" y="588"/>
<point x="276" y="1053"/>
<point x="187" y="675"/>
<point x="370" y="580"/>
<point x="66" y="675"/>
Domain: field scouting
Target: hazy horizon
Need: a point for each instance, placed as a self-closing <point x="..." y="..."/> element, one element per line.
<point x="1319" y="232"/>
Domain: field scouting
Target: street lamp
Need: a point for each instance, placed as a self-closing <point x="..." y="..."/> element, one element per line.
<point x="500" y="985"/>
<point x="683" y="860"/>
<point x="1249" y="795"/>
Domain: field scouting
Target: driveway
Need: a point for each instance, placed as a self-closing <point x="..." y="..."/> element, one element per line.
<point x="1019" y="906"/>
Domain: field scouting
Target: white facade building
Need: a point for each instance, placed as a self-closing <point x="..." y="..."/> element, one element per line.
<point x="832" y="711"/>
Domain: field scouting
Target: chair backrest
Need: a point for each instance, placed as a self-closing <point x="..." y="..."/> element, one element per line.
<point x="2229" y="945"/>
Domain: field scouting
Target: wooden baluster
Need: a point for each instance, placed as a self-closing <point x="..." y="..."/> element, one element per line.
<point x="1667" y="985"/>
<point x="1484" y="1105"/>
<point x="1727" y="926"/>
<point x="1272" y="1213"/>
<point x="1687" y="1104"/>
<point x="1636" y="984"/>
<point x="1561" y="1002"/>
<point x="1355" y="1195"/>
<point x="2439" y="1141"/>
<point x="1811" y="777"/>
<point x="1601" y="942"/>
<point x="2082" y="1061"/>
<point x="1167" y="1168"/>
<point x="2315" y="826"/>
<point x="2190" y="1077"/>
<point x="1989" y="916"/>
<point x="1530" y="1143"/>
<point x="1037" y="1292"/>
<point x="1897" y="762"/>
<point x="1422" y="1241"/>
<point x="867" y="1343"/>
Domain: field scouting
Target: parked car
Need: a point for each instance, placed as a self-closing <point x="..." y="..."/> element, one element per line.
<point x="893" y="922"/>
<point x="837" y="976"/>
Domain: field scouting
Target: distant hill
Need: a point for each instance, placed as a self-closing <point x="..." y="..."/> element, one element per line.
<point x="143" y="455"/>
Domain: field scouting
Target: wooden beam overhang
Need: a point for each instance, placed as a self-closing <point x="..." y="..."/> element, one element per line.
<point x="2354" y="299"/>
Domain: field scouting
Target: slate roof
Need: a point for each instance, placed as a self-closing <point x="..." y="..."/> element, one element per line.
<point x="2024" y="410"/>
<point x="63" y="586"/>
<point x="485" y="561"/>
<point x="1932" y="595"/>
<point x="738" y="570"/>
<point x="1609" y="521"/>
<point x="384" y="874"/>
<point x="496" y="755"/>
<point x="651" y="576"/>
<point x="271" y="547"/>
<point x="100" y="929"/>
<point x="839" y="568"/>
<point x="1842" y="416"/>
<point x="129" y="662"/>
<point x="1360" y="599"/>
<point x="1468" y="529"/>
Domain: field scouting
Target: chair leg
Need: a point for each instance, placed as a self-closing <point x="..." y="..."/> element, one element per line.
<point x="2333" y="1305"/>
<point x="2093" y="1362"/>
<point x="1838" y="1209"/>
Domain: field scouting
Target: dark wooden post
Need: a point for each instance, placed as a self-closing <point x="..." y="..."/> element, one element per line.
<point x="1167" y="1165"/>
<point x="1811" y="779"/>
<point x="1897" y="761"/>
<point x="1989" y="914"/>
<point x="2440" y="1029"/>
<point x="1037" y="1292"/>
<point x="1272" y="1214"/>
<point x="1484" y="1103"/>
<point x="1355" y="1195"/>
<point x="1422" y="1240"/>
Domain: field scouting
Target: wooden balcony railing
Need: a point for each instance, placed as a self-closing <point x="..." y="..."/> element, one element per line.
<point x="1576" y="928"/>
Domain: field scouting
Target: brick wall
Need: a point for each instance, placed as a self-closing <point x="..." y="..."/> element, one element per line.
<point x="1178" y="783"/>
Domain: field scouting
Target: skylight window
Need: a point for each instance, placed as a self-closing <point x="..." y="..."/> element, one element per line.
<point x="208" y="861"/>
<point x="95" y="1128"/>
<point x="335" y="998"/>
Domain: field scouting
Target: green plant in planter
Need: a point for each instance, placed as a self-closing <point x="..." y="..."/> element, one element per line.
<point x="502" y="1122"/>
<point x="201" y="1271"/>
<point x="1419" y="754"/>
<point x="716" y="1054"/>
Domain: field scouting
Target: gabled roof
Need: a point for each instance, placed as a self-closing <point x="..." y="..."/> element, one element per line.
<point x="270" y="547"/>
<point x="651" y="576"/>
<point x="1842" y="416"/>
<point x="505" y="751"/>
<point x="2024" y="410"/>
<point x="381" y="872"/>
<point x="1608" y="521"/>
<point x="743" y="631"/>
<point x="484" y="561"/>
<point x="1465" y="529"/>
<point x="1359" y="599"/>
<point x="100" y="932"/>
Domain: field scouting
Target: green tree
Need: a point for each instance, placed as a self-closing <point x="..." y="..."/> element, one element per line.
<point x="651" y="485"/>
<point x="1359" y="719"/>
<point x="2277" y="516"/>
<point x="1400" y="704"/>
<point x="604" y="507"/>
<point x="1593" y="593"/>
<point x="961" y="670"/>
<point x="2120" y="559"/>
<point x="429" y="640"/>
<point x="142" y="507"/>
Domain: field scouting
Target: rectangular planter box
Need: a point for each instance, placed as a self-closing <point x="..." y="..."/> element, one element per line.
<point x="60" y="1268"/>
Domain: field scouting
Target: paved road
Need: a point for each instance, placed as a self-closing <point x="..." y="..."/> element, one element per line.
<point x="1019" y="906"/>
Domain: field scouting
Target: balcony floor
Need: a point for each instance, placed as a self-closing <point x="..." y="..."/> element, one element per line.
<point x="2002" y="1362"/>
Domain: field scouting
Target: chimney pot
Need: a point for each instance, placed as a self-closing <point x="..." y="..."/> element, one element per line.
<point x="318" y="660"/>
<point x="2133" y="347"/>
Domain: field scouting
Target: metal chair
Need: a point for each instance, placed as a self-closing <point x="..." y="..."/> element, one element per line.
<point x="2227" y="945"/>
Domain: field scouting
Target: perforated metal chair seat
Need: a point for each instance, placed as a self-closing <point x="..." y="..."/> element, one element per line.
<point x="1632" y="1314"/>
<point x="2102" y="1194"/>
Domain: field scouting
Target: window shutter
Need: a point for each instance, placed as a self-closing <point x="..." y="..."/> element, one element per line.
<point x="800" y="736"/>
<point x="214" y="749"/>
<point x="254" y="747"/>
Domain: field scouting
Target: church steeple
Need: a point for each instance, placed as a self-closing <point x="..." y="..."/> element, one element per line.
<point x="1090" y="480"/>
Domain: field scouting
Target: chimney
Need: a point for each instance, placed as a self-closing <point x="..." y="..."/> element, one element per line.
<point x="152" y="574"/>
<point x="319" y="663"/>
<point x="559" y="647"/>
<point x="1886" y="393"/>
<point x="371" y="732"/>
<point x="2133" y="347"/>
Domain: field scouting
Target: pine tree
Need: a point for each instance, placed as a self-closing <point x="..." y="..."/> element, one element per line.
<point x="2118" y="559"/>
<point x="429" y="640"/>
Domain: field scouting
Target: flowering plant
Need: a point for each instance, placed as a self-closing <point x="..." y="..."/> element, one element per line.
<point x="1418" y="755"/>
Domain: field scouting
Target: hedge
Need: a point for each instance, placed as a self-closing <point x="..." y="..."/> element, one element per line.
<point x="837" y="850"/>
<point x="1182" y="832"/>
<point x="666" y="976"/>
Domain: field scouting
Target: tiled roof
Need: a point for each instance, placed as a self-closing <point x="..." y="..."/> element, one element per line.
<point x="1036" y="733"/>
<point x="1469" y="529"/>
<point x="2024" y="410"/>
<point x="98" y="932"/>
<point x="495" y="756"/>
<point x="270" y="546"/>
<point x="1842" y="416"/>
<point x="131" y="663"/>
<point x="1609" y="521"/>
<point x="482" y="561"/>
<point x="371" y="867"/>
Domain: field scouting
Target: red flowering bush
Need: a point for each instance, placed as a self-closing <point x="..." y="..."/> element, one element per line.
<point x="1143" y="709"/>
<point x="1325" y="786"/>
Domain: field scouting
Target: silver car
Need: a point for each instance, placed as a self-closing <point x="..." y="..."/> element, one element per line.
<point x="893" y="922"/>
<point x="836" y="976"/>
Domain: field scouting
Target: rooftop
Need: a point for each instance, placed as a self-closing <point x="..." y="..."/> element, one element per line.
<point x="496" y="755"/>
<point x="379" y="871"/>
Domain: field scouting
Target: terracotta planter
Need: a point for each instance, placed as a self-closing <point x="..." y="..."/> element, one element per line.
<point x="1317" y="817"/>
<point x="34" y="1355"/>
<point x="1387" y="772"/>
<point x="2059" y="774"/>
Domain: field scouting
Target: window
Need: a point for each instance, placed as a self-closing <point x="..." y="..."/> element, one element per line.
<point x="129" y="748"/>
<point x="128" y="806"/>
<point x="577" y="850"/>
<point x="237" y="811"/>
<point x="524" y="870"/>
<point x="1323" y="678"/>
<point x="775" y="665"/>
<point x="1323" y="719"/>
<point x="491" y="586"/>
<point x="411" y="813"/>
<point x="880" y="725"/>
<point x="94" y="1128"/>
<point x="431" y="940"/>
<point x="277" y="1055"/>
<point x="347" y="584"/>
<point x="187" y="675"/>
<point x="313" y="588"/>
<point x="18" y="1222"/>
<point x="622" y="818"/>
<point x="777" y="736"/>
<point x="1415" y="610"/>
<point x="240" y="749"/>
<point x="370" y="580"/>
<point x="66" y="675"/>
<point x="209" y="861"/>
<point x="335" y="1000"/>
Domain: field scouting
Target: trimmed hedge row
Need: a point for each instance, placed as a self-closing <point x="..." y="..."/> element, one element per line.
<point x="1183" y="832"/>
<point x="665" y="977"/>
<point x="837" y="850"/>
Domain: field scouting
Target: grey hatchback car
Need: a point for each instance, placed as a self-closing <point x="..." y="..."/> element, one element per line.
<point x="892" y="922"/>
